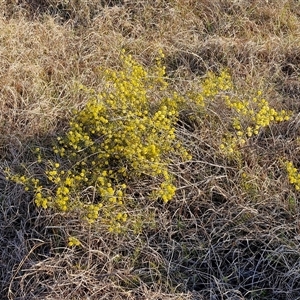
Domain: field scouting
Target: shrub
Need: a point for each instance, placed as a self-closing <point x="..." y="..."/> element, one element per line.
<point x="123" y="135"/>
<point x="126" y="136"/>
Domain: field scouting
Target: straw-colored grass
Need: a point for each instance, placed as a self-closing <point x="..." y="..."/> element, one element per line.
<point x="232" y="230"/>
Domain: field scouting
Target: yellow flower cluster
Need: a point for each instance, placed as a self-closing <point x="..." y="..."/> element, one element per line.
<point x="30" y="184"/>
<point x="293" y="175"/>
<point x="203" y="92"/>
<point x="230" y="144"/>
<point x="122" y="135"/>
<point x="159" y="71"/>
<point x="167" y="191"/>
<point x="126" y="132"/>
<point x="249" y="117"/>
<point x="213" y="84"/>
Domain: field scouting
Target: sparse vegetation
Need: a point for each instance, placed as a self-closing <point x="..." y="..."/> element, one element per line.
<point x="166" y="170"/>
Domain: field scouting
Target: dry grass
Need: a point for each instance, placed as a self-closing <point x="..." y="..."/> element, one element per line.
<point x="222" y="237"/>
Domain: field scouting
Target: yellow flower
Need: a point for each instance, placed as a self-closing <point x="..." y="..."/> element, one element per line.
<point x="73" y="241"/>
